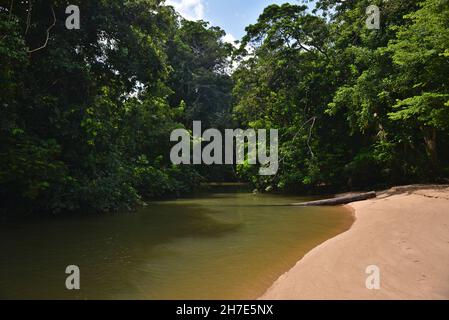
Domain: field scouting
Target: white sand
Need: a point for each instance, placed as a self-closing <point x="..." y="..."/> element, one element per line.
<point x="405" y="232"/>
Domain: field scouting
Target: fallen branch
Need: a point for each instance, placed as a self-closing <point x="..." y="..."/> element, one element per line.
<point x="339" y="200"/>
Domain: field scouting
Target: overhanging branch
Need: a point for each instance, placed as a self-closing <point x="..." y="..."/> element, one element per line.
<point x="48" y="33"/>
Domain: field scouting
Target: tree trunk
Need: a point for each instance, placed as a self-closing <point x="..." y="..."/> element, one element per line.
<point x="339" y="200"/>
<point x="430" y="139"/>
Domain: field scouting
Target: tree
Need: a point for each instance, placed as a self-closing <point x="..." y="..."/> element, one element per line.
<point x="200" y="79"/>
<point x="421" y="53"/>
<point x="353" y="104"/>
<point x="85" y="113"/>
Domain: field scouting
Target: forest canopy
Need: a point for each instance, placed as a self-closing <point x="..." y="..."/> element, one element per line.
<point x="356" y="107"/>
<point x="87" y="114"/>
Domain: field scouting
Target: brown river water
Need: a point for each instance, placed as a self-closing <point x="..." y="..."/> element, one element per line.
<point x="222" y="244"/>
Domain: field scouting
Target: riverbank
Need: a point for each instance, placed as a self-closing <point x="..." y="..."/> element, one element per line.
<point x="405" y="232"/>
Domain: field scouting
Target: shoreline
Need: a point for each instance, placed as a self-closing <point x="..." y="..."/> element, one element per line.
<point x="404" y="232"/>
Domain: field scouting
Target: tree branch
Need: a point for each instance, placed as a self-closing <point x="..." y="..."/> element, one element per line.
<point x="30" y="8"/>
<point x="48" y="33"/>
<point x="310" y="136"/>
<point x="313" y="120"/>
<point x="10" y="9"/>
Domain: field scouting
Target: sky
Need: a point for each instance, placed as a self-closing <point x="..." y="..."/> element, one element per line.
<point x="231" y="15"/>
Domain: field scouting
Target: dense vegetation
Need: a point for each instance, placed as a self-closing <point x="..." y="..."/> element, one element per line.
<point x="357" y="108"/>
<point x="87" y="114"/>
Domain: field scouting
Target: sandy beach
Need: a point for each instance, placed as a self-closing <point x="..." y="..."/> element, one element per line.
<point x="404" y="232"/>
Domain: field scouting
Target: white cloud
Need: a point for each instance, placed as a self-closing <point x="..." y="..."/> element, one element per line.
<point x="229" y="38"/>
<point x="189" y="9"/>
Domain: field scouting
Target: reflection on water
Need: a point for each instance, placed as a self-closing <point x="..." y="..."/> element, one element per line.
<point x="222" y="245"/>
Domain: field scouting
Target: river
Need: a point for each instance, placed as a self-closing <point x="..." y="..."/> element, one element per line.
<point x="221" y="244"/>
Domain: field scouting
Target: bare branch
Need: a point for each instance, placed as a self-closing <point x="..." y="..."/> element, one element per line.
<point x="10" y="9"/>
<point x="322" y="51"/>
<point x="310" y="136"/>
<point x="30" y="8"/>
<point x="311" y="120"/>
<point x="48" y="33"/>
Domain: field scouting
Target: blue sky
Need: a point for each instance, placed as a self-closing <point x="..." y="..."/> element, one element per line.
<point x="231" y="15"/>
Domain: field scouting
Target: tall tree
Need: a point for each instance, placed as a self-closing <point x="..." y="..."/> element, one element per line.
<point x="421" y="54"/>
<point x="86" y="115"/>
<point x="201" y="74"/>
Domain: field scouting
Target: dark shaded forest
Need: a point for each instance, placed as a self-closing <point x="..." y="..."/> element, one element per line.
<point x="86" y="115"/>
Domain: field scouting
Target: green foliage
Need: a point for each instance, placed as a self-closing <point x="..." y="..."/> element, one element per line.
<point x="421" y="53"/>
<point x="87" y="114"/>
<point x="429" y="109"/>
<point x="356" y="107"/>
<point x="200" y="78"/>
